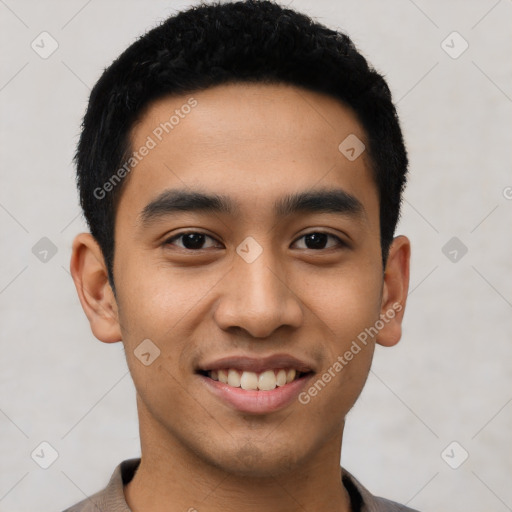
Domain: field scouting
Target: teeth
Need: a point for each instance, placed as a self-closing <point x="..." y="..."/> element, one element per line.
<point x="281" y="377"/>
<point x="223" y="376"/>
<point x="234" y="378"/>
<point x="267" y="380"/>
<point x="264" y="381"/>
<point x="248" y="380"/>
<point x="290" y="375"/>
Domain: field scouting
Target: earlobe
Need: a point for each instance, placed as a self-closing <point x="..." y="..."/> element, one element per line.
<point x="90" y="276"/>
<point x="394" y="293"/>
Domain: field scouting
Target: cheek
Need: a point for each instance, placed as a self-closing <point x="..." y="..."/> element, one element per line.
<point x="345" y="300"/>
<point x="154" y="301"/>
<point x="345" y="306"/>
<point x="167" y="307"/>
<point x="344" y="315"/>
<point x="153" y="309"/>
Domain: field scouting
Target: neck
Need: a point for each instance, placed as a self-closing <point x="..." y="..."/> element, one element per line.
<point x="171" y="478"/>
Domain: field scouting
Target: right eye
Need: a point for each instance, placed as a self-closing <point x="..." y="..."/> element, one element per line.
<point x="191" y="240"/>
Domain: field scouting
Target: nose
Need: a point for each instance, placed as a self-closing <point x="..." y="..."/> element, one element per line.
<point x="257" y="299"/>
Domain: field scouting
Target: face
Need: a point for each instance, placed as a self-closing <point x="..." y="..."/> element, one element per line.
<point x="246" y="240"/>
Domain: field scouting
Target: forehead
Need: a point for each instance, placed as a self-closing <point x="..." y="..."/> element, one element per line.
<point x="254" y="142"/>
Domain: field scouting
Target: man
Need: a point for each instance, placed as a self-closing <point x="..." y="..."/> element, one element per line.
<point x="241" y="170"/>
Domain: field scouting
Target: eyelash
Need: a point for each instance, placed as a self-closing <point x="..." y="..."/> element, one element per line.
<point x="340" y="243"/>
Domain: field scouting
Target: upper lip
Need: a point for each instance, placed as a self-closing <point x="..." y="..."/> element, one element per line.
<point x="257" y="364"/>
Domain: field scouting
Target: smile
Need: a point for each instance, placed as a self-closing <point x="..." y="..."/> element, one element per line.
<point x="266" y="380"/>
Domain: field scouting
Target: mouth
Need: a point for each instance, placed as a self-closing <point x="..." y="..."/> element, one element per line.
<point x="266" y="380"/>
<point x="256" y="385"/>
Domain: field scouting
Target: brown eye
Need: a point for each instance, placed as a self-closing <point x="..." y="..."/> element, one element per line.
<point x="192" y="240"/>
<point x="318" y="240"/>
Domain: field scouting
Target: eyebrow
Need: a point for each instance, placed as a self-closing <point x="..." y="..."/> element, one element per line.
<point x="172" y="201"/>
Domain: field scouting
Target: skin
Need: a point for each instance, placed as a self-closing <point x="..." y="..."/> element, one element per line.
<point x="254" y="143"/>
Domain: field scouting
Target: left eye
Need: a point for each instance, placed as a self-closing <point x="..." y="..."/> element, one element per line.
<point x="318" y="240"/>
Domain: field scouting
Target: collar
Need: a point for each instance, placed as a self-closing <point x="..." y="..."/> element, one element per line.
<point x="112" y="497"/>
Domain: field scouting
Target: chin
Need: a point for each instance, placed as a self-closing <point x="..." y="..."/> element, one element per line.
<point x="253" y="461"/>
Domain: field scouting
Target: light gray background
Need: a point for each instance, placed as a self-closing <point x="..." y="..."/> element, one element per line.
<point x="449" y="379"/>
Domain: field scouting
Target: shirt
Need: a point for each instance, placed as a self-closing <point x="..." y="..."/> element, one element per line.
<point x="112" y="499"/>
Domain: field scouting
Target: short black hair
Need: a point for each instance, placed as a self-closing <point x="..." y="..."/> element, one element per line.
<point x="219" y="43"/>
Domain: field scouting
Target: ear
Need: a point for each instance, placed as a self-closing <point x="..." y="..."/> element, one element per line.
<point x="394" y="291"/>
<point x="94" y="291"/>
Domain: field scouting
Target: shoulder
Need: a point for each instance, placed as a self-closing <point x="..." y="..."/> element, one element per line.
<point x="91" y="504"/>
<point x="364" y="501"/>
<point x="112" y="497"/>
<point x="385" y="505"/>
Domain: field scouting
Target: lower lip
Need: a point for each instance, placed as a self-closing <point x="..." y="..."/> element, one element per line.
<point x="257" y="402"/>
